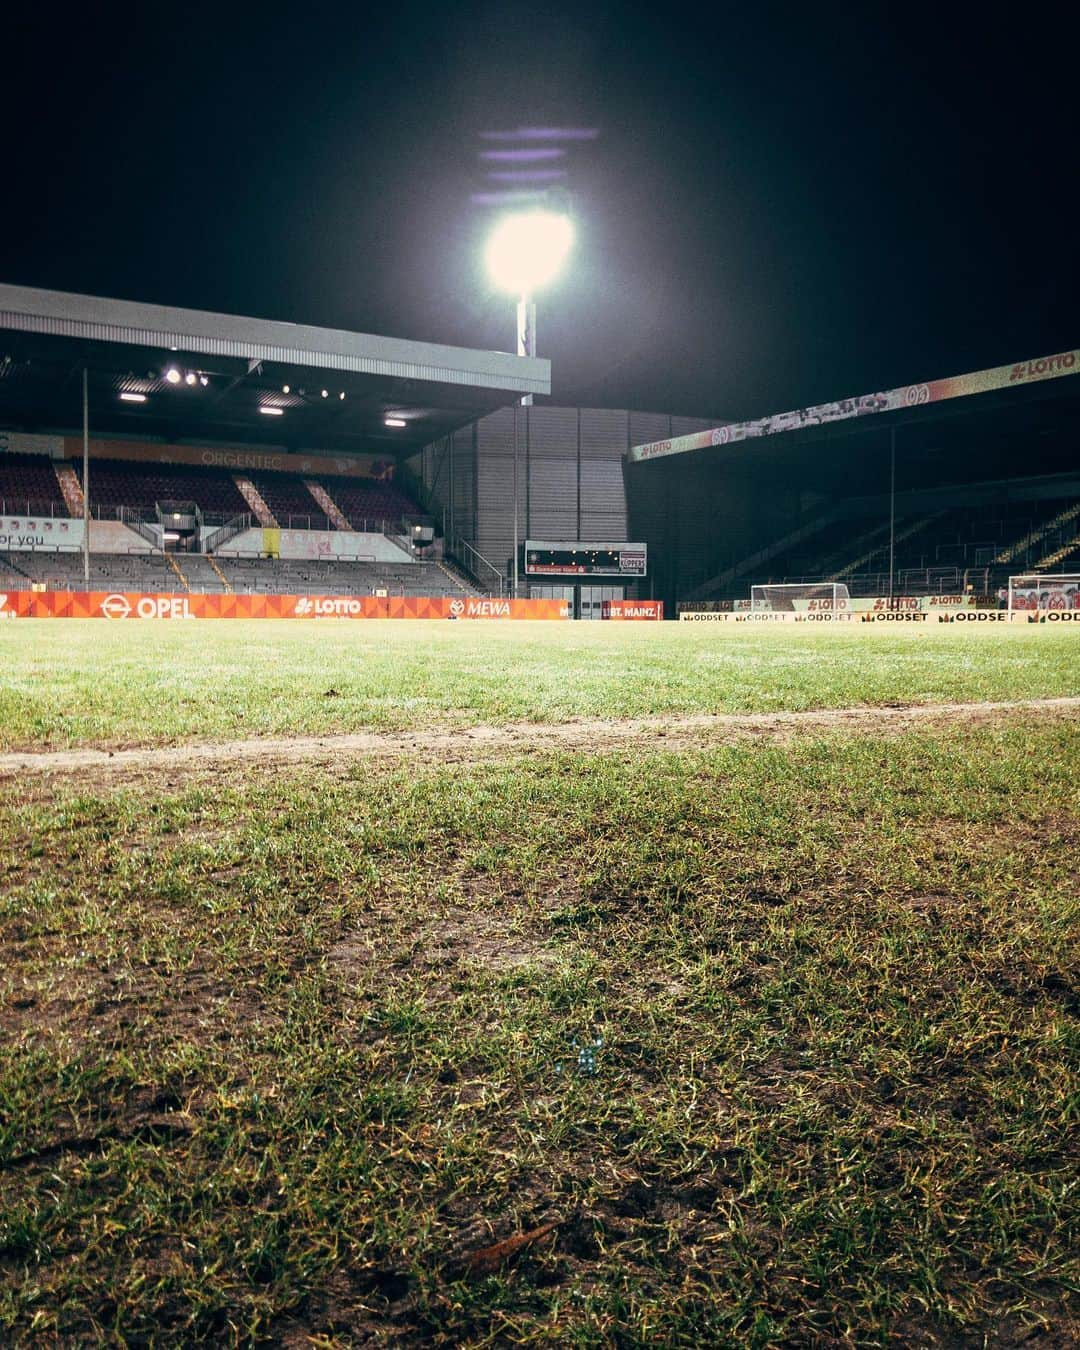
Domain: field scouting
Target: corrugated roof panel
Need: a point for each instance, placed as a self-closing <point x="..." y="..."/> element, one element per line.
<point x="59" y="314"/>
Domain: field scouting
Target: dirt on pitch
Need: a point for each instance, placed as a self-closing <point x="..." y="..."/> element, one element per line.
<point x="104" y="766"/>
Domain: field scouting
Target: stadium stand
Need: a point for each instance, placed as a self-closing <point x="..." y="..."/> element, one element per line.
<point x="290" y="502"/>
<point x="115" y="483"/>
<point x="367" y="506"/>
<point x="28" y="483"/>
<point x="935" y="552"/>
<point x="154" y="572"/>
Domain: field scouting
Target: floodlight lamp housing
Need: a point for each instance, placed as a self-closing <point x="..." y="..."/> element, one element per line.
<point x="527" y="250"/>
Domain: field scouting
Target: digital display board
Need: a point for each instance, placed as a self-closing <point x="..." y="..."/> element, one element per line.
<point x="572" y="558"/>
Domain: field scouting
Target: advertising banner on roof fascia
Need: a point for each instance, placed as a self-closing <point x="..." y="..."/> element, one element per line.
<point x="237" y="459"/>
<point x="20" y="443"/>
<point x="907" y="396"/>
<point x="142" y="605"/>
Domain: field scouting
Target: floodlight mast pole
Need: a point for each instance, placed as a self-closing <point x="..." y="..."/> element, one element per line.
<point x="526" y="346"/>
<point x="892" y="510"/>
<point x="86" y="478"/>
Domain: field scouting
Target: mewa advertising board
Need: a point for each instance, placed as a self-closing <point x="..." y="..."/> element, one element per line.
<point x="140" y="605"/>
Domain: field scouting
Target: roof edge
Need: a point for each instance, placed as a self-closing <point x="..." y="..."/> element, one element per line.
<point x="93" y="318"/>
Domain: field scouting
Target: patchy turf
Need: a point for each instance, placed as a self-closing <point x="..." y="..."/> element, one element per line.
<point x="70" y="682"/>
<point x="767" y="1044"/>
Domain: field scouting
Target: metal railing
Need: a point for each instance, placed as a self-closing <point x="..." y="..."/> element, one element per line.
<point x="29" y="506"/>
<point x="471" y="560"/>
<point x="237" y="525"/>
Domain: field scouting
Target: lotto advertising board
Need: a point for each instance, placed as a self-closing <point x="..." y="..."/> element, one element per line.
<point x="118" y="605"/>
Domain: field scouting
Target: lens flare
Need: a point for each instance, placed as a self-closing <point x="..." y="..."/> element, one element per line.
<point x="527" y="249"/>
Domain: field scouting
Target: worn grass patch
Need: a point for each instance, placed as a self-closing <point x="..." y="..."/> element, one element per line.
<point x="72" y="682"/>
<point x="764" y="1045"/>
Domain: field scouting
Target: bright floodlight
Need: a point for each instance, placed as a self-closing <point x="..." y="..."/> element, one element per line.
<point x="527" y="249"/>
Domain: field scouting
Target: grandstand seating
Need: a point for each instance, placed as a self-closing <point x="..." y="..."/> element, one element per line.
<point x="290" y="502"/>
<point x="939" y="552"/>
<point x="139" y="487"/>
<point x="262" y="576"/>
<point x="367" y="505"/>
<point x="28" y="484"/>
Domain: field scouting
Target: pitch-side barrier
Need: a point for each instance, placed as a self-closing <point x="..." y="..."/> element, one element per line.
<point x="141" y="605"/>
<point x="890" y="619"/>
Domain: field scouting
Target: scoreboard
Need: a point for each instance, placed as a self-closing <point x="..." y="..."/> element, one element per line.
<point x="581" y="561"/>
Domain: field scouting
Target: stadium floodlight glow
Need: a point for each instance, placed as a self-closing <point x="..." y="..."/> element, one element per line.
<point x="204" y="380"/>
<point x="527" y="249"/>
<point x="132" y="398"/>
<point x="394" y="422"/>
<point x="324" y="394"/>
<point x="268" y="411"/>
<point x="342" y="394"/>
<point x="285" y="389"/>
<point x="173" y="375"/>
<point x="190" y="377"/>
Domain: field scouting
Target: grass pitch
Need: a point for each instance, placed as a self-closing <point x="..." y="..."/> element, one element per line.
<point x="65" y="683"/>
<point x="755" y="1044"/>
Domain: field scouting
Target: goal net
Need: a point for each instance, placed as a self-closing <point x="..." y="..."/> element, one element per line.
<point x="1037" y="591"/>
<point x="800" y="598"/>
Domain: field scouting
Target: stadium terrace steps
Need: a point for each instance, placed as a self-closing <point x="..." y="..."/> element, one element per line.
<point x="10" y="568"/>
<point x="113" y="572"/>
<point x="176" y="568"/>
<point x="220" y="575"/>
<point x="194" y="572"/>
<point x="457" y="578"/>
<point x="937" y="553"/>
<point x="256" y="504"/>
<point x="329" y="506"/>
<point x="916" y="527"/>
<point x="1061" y="554"/>
<point x="1036" y="535"/>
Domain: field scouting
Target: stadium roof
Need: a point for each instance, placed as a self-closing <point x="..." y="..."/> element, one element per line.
<point x="253" y="381"/>
<point x="1000" y="384"/>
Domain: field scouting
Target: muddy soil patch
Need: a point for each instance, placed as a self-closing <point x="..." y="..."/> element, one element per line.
<point x="468" y="744"/>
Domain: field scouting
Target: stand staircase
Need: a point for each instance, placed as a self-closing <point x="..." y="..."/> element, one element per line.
<point x="70" y="488"/>
<point x="176" y="568"/>
<point x="254" y="499"/>
<point x="219" y="574"/>
<point x="330" y="507"/>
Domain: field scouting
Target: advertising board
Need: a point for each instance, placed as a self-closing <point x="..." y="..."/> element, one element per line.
<point x="117" y="605"/>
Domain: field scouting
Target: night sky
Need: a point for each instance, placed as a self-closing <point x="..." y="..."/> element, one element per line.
<point x="783" y="205"/>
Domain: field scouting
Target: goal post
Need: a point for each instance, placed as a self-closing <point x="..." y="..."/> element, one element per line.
<point x="1042" y="591"/>
<point x="793" y="597"/>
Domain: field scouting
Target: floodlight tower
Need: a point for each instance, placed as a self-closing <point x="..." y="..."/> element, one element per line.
<point x="525" y="252"/>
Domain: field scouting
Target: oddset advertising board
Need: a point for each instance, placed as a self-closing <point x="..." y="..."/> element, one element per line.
<point x="141" y="605"/>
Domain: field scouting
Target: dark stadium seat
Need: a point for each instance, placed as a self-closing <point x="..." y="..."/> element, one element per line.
<point x="372" y="506"/>
<point x="28" y="485"/>
<point x="290" y="502"/>
<point x="139" y="486"/>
